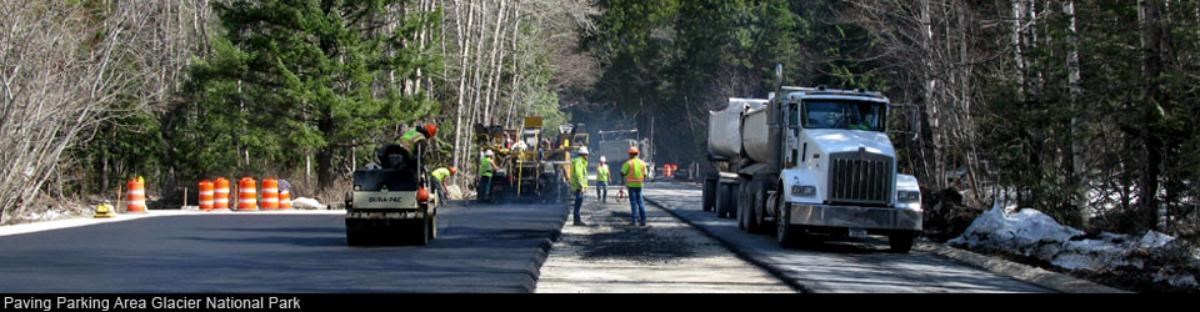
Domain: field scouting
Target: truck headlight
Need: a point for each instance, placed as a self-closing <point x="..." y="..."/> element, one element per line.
<point x="804" y="190"/>
<point x="908" y="197"/>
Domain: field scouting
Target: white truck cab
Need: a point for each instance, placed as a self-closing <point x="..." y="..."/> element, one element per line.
<point x="812" y="160"/>
<point x="839" y="167"/>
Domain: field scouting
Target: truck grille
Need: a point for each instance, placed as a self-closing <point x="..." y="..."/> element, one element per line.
<point x="860" y="177"/>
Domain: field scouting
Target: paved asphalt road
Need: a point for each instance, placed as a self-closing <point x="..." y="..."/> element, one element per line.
<point x="609" y="255"/>
<point x="479" y="249"/>
<point x="838" y="267"/>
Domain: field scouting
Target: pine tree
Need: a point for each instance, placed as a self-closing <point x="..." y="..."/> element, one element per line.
<point x="290" y="78"/>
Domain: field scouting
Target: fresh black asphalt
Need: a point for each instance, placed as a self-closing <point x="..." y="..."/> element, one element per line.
<point x="484" y="248"/>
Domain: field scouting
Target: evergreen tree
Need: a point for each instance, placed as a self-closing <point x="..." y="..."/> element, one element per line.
<point x="289" y="78"/>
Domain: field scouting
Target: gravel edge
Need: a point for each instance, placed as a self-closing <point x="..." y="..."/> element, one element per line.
<point x="1026" y="273"/>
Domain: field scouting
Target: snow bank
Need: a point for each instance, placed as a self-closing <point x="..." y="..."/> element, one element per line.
<point x="307" y="203"/>
<point x="1030" y="233"/>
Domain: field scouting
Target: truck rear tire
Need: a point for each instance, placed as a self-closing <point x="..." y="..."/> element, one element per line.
<point x="756" y="203"/>
<point x="710" y="194"/>
<point x="723" y="199"/>
<point x="740" y="208"/>
<point x="901" y="242"/>
<point x="730" y="202"/>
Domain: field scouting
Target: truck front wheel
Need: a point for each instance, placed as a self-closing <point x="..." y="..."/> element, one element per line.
<point x="784" y="234"/>
<point x="901" y="242"/>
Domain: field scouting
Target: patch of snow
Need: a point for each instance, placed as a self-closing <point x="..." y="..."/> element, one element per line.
<point x="1074" y="262"/>
<point x="307" y="203"/>
<point x="1177" y="280"/>
<point x="1031" y="233"/>
<point x="1028" y="232"/>
<point x="1154" y="239"/>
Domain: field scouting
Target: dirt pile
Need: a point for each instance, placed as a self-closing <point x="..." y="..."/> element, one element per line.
<point x="946" y="216"/>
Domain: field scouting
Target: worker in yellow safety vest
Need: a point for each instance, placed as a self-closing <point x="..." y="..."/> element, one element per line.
<point x="417" y="135"/>
<point x="486" y="167"/>
<point x="579" y="177"/>
<point x="603" y="178"/>
<point x="439" y="176"/>
<point x="634" y="171"/>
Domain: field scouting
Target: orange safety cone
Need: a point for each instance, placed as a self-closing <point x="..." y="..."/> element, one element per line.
<point x="136" y="196"/>
<point x="270" y="194"/>
<point x="221" y="191"/>
<point x="206" y="195"/>
<point x="247" y="195"/>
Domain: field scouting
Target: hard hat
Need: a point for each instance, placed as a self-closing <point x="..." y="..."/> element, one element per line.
<point x="583" y="150"/>
<point x="603" y="159"/>
<point x="489" y="153"/>
<point x="633" y="150"/>
<point x="431" y="128"/>
<point x="453" y="171"/>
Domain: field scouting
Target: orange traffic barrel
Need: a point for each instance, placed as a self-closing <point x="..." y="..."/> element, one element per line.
<point x="136" y="196"/>
<point x="285" y="199"/>
<point x="285" y="195"/>
<point x="270" y="194"/>
<point x="206" y="195"/>
<point x="221" y="191"/>
<point x="247" y="197"/>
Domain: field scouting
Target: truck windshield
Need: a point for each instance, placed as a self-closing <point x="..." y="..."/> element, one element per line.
<point x="844" y="114"/>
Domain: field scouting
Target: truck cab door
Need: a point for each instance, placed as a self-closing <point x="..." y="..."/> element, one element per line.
<point x="791" y="154"/>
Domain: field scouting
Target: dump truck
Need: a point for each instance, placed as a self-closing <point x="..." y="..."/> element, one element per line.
<point x="392" y="200"/>
<point x="810" y="161"/>
<point x="614" y="146"/>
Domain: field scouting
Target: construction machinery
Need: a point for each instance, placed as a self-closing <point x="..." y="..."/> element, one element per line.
<point x="392" y="200"/>
<point x="811" y="161"/>
<point x="527" y="163"/>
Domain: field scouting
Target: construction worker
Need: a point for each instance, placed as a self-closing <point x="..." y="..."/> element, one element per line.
<point x="487" y="166"/>
<point x="439" y="175"/>
<point x="634" y="171"/>
<point x="579" y="175"/>
<point x="603" y="178"/>
<point x="409" y="142"/>
<point x="417" y="135"/>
